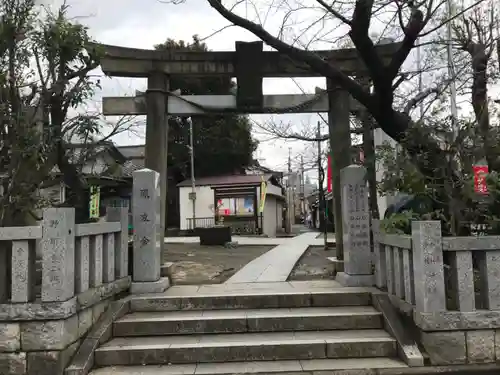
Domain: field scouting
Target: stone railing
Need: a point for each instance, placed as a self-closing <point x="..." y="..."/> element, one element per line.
<point x="450" y="285"/>
<point x="393" y="260"/>
<point x="56" y="279"/>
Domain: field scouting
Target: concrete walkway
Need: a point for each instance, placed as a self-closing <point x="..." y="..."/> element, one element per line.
<point x="277" y="264"/>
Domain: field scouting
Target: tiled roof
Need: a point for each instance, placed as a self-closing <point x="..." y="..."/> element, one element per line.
<point x="227" y="180"/>
<point x="132" y="165"/>
<point x="132" y="152"/>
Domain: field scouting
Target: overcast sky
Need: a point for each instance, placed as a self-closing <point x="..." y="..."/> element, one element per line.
<point x="142" y="24"/>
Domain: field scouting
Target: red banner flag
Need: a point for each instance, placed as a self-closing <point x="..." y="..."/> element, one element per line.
<point x="329" y="174"/>
<point x="480" y="173"/>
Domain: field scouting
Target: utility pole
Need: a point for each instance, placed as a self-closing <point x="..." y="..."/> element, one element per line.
<point x="289" y="160"/>
<point x="289" y="194"/>
<point x="291" y="188"/>
<point x="302" y="187"/>
<point x="192" y="196"/>
<point x="321" y="178"/>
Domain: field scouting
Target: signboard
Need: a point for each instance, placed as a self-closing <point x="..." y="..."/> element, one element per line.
<point x="329" y="174"/>
<point x="480" y="173"/>
<point x="95" y="194"/>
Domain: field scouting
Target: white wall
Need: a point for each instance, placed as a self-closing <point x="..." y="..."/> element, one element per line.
<point x="273" y="189"/>
<point x="270" y="219"/>
<point x="204" y="200"/>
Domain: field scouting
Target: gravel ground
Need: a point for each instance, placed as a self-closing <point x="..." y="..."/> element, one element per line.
<point x="313" y="265"/>
<point x="195" y="264"/>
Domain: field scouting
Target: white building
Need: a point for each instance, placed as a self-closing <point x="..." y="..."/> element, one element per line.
<point x="237" y="200"/>
<point x="384" y="201"/>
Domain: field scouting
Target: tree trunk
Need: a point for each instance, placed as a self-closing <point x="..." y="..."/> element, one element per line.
<point x="71" y="177"/>
<point x="369" y="163"/>
<point x="480" y="101"/>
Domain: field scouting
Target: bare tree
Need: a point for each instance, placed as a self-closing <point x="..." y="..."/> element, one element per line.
<point x="407" y="20"/>
<point x="475" y="35"/>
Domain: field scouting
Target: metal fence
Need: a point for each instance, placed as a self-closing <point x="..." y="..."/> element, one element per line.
<point x="240" y="225"/>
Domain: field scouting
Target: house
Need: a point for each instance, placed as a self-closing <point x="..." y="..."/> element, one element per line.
<point x="103" y="165"/>
<point x="236" y="200"/>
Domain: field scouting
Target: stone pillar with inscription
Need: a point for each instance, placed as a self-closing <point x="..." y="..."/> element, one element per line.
<point x="428" y="266"/>
<point x="356" y="228"/>
<point x="146" y="211"/>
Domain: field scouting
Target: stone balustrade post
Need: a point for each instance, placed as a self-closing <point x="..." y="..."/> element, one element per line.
<point x="120" y="214"/>
<point x="378" y="256"/>
<point x="58" y="254"/>
<point x="428" y="266"/>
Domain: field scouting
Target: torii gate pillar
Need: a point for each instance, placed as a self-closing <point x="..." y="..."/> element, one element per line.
<point x="156" y="136"/>
<point x="340" y="148"/>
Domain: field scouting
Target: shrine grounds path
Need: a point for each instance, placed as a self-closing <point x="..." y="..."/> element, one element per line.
<point x="253" y="259"/>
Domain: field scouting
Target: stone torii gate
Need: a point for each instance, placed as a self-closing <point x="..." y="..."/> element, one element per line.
<point x="249" y="64"/>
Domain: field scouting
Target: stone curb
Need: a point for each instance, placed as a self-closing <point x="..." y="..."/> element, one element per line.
<point x="477" y="369"/>
<point x="407" y="347"/>
<point x="147" y="287"/>
<point x="83" y="361"/>
<point x="65" y="309"/>
<point x="166" y="269"/>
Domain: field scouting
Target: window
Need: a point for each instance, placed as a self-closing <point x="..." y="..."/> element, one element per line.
<point x="236" y="206"/>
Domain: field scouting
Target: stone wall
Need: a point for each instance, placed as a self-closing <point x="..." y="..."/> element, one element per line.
<point x="41" y="338"/>
<point x="453" y="301"/>
<point x="58" y="278"/>
<point x="46" y="312"/>
<point x="462" y="347"/>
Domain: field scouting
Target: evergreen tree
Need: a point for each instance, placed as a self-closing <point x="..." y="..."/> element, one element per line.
<point x="223" y="144"/>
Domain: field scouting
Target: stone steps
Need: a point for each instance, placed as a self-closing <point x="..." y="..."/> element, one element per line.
<point x="239" y="321"/>
<point x="356" y="366"/>
<point x="233" y="347"/>
<point x="261" y="328"/>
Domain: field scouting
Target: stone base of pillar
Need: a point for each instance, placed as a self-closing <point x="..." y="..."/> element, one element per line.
<point x="150" y="286"/>
<point x="355" y="280"/>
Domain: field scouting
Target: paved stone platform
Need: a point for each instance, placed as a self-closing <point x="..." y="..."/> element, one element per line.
<point x="242" y="240"/>
<point x="315" y="239"/>
<point x="277" y="264"/>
